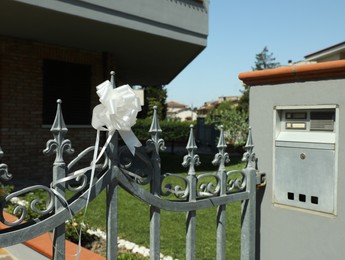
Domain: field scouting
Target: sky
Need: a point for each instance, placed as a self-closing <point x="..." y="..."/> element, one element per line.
<point x="240" y="29"/>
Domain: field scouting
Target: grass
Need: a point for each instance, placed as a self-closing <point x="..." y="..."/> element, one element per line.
<point x="134" y="220"/>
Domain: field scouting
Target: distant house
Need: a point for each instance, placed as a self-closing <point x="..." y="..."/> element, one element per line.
<point x="206" y="107"/>
<point x="334" y="52"/>
<point x="233" y="99"/>
<point x="173" y="107"/>
<point x="210" y="105"/>
<point x="187" y="115"/>
<point x="179" y="111"/>
<point x="53" y="50"/>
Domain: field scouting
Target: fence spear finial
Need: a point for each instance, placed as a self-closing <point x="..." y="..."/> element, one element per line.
<point x="59" y="144"/>
<point x="222" y="157"/>
<point x="112" y="78"/>
<point x="155" y="131"/>
<point x="59" y="123"/>
<point x="191" y="159"/>
<point x="249" y="155"/>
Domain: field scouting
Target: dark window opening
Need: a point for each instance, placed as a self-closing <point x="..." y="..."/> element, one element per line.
<point x="71" y="83"/>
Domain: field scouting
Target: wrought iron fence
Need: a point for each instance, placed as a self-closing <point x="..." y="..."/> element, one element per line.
<point x="168" y="191"/>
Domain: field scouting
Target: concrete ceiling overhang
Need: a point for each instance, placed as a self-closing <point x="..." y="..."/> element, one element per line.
<point x="146" y="52"/>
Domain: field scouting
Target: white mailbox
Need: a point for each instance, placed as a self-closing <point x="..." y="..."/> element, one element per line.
<point x="304" y="157"/>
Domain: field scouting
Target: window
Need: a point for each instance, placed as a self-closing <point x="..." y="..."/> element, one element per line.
<point x="71" y="83"/>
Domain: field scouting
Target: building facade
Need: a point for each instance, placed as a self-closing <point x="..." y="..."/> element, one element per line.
<point x="53" y="50"/>
<point x="334" y="52"/>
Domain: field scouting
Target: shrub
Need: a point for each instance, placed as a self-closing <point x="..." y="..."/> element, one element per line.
<point x="5" y="190"/>
<point x="171" y="130"/>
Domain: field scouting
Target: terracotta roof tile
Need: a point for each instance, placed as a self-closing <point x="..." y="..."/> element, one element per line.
<point x="175" y="104"/>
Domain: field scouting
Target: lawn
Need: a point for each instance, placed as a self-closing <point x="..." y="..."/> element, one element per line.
<point x="134" y="219"/>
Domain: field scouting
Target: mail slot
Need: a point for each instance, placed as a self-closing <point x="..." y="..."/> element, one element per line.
<point x="304" y="158"/>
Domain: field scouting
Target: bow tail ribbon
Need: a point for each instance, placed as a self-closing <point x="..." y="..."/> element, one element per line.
<point x="130" y="140"/>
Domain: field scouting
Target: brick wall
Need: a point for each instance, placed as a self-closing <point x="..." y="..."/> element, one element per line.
<point x="22" y="135"/>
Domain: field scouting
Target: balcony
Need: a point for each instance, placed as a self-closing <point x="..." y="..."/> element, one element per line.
<point x="151" y="40"/>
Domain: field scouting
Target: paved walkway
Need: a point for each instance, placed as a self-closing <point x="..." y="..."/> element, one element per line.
<point x="19" y="252"/>
<point x="5" y="255"/>
<point x="40" y="248"/>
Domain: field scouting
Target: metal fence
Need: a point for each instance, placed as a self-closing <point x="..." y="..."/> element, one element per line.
<point x="188" y="192"/>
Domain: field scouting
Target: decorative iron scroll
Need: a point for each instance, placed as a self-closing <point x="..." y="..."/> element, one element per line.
<point x="186" y="192"/>
<point x="137" y="168"/>
<point x="208" y="184"/>
<point x="4" y="174"/>
<point x="75" y="181"/>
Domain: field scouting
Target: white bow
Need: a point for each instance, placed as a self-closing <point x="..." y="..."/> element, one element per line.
<point x="118" y="111"/>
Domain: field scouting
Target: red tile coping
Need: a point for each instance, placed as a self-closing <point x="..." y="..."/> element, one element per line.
<point x="295" y="73"/>
<point x="43" y="244"/>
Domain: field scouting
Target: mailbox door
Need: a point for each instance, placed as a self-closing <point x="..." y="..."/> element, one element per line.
<point x="305" y="176"/>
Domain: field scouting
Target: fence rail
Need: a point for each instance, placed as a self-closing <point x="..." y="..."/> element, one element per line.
<point x="188" y="192"/>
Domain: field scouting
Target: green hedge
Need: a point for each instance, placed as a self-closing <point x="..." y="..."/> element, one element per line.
<point x="171" y="131"/>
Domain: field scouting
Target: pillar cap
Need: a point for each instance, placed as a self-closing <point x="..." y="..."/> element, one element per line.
<point x="295" y="73"/>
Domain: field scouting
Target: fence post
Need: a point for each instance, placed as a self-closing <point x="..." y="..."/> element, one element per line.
<point x="112" y="195"/>
<point x="59" y="145"/>
<point x="112" y="204"/>
<point x="248" y="221"/>
<point x="249" y="218"/>
<point x="155" y="216"/>
<point x="191" y="159"/>
<point x="220" y="159"/>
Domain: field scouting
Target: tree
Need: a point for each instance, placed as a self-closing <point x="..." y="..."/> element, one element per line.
<point x="243" y="102"/>
<point x="154" y="96"/>
<point x="235" y="123"/>
<point x="264" y="60"/>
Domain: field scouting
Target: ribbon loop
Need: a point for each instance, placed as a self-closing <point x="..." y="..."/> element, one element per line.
<point x="118" y="111"/>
